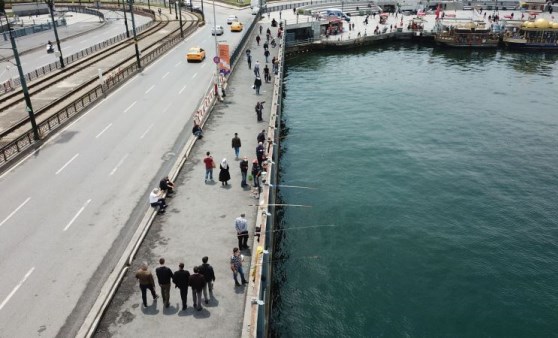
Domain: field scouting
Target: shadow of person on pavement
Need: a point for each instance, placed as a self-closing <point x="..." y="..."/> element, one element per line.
<point x="171" y="310"/>
<point x="150" y="309"/>
<point x="203" y="313"/>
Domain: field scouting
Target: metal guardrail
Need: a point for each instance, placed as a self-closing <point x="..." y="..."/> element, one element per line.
<point x="12" y="84"/>
<point x="17" y="33"/>
<point x="22" y="143"/>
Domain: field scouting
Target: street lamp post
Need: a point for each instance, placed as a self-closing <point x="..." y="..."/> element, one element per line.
<point x="135" y="36"/>
<point x="203" y="13"/>
<point x="217" y="84"/>
<point x="176" y="10"/>
<point x="29" y="106"/>
<point x="50" y="4"/>
<point x="180" y="16"/>
<point x="125" y="20"/>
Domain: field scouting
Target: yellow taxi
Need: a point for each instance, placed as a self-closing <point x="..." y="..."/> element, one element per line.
<point x="195" y="54"/>
<point x="236" y="26"/>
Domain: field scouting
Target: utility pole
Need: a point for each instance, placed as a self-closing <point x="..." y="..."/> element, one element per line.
<point x="50" y="4"/>
<point x="125" y="20"/>
<point x="29" y="106"/>
<point x="176" y="5"/>
<point x="217" y="83"/>
<point x="181" y="29"/>
<point x="203" y="13"/>
<point x="135" y="36"/>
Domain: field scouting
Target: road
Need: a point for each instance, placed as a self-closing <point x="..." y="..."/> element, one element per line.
<point x="114" y="25"/>
<point x="71" y="207"/>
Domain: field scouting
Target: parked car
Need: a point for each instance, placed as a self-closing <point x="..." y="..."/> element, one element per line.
<point x="236" y="26"/>
<point x="231" y="19"/>
<point x="217" y="30"/>
<point x="195" y="54"/>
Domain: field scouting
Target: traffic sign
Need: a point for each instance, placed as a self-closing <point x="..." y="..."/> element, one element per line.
<point x="216" y="59"/>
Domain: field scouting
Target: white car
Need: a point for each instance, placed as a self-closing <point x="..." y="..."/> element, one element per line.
<point x="231" y="19"/>
<point x="217" y="30"/>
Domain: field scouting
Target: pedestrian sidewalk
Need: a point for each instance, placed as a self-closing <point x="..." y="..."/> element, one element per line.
<point x="200" y="222"/>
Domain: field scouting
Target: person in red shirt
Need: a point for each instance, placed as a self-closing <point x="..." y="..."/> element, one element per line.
<point x="209" y="165"/>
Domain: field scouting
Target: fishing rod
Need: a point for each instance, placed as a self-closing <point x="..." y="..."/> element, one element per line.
<point x="306" y="227"/>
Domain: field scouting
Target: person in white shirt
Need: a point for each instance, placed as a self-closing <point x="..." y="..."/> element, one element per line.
<point x="156" y="200"/>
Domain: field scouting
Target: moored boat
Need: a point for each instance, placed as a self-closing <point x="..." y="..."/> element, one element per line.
<point x="465" y="34"/>
<point x="540" y="34"/>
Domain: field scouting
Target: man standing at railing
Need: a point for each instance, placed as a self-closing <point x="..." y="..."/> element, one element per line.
<point x="241" y="227"/>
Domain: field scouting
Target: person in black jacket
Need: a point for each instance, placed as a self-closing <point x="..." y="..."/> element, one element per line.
<point x="261" y="136"/>
<point x="257" y="84"/>
<point x="207" y="271"/>
<point x="197" y="131"/>
<point x="256" y="173"/>
<point x="166" y="186"/>
<point x="260" y="152"/>
<point x="180" y="280"/>
<point x="164" y="276"/>
<point x="197" y="282"/>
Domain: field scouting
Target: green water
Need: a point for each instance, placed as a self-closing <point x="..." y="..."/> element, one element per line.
<point x="435" y="208"/>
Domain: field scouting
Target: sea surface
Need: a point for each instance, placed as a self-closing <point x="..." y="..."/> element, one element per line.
<point x="433" y="208"/>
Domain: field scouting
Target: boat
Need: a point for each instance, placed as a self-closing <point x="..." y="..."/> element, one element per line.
<point x="540" y="34"/>
<point x="465" y="34"/>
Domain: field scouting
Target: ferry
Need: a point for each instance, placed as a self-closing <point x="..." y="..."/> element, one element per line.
<point x="540" y="34"/>
<point x="466" y="34"/>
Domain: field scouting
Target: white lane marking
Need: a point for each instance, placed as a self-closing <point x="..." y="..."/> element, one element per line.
<point x="178" y="64"/>
<point x="66" y="128"/>
<point x="16" y="288"/>
<point x="130" y="106"/>
<point x="204" y="65"/>
<point x="147" y="131"/>
<point x="147" y="91"/>
<point x="164" y="76"/>
<point x="102" y="131"/>
<point x="77" y="215"/>
<point x="181" y="90"/>
<point x="193" y="76"/>
<point x="67" y="163"/>
<point x="118" y="165"/>
<point x="204" y="41"/>
<point x="13" y="212"/>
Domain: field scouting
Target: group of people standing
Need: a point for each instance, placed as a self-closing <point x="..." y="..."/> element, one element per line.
<point x="258" y="164"/>
<point x="200" y="281"/>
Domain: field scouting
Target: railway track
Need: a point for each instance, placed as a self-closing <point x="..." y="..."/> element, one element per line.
<point x="12" y="106"/>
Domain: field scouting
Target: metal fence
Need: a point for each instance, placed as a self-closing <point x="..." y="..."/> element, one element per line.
<point x="32" y="29"/>
<point x="22" y="143"/>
